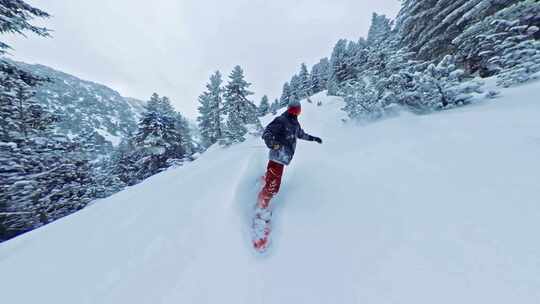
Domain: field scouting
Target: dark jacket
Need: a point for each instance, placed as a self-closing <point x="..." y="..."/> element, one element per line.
<point x="283" y="131"/>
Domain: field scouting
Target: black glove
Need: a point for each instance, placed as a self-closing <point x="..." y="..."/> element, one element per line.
<point x="317" y="139"/>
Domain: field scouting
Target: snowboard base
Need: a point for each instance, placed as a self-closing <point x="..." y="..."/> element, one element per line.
<point x="261" y="229"/>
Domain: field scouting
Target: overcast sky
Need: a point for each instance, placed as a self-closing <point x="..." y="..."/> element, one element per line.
<point x="172" y="46"/>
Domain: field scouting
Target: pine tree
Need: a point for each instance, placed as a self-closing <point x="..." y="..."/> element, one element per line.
<point x="383" y="82"/>
<point x="391" y="77"/>
<point x="124" y="162"/>
<point x="21" y="115"/>
<point x="286" y="96"/>
<point x="216" y="105"/>
<point x="296" y="88"/>
<point x="429" y="26"/>
<point x="379" y="31"/>
<point x="448" y="88"/>
<point x="275" y="106"/>
<point x="186" y="144"/>
<point x="319" y="76"/>
<point x="210" y="118"/>
<point x="482" y="45"/>
<point x="162" y="140"/>
<point x="357" y="58"/>
<point x="304" y="82"/>
<point x="43" y="176"/>
<point x="15" y="17"/>
<point x="264" y="107"/>
<point x="520" y="60"/>
<point x="241" y="112"/>
<point x="362" y="100"/>
<point x="93" y="144"/>
<point x="338" y="67"/>
<point x="345" y="64"/>
<point x="204" y="121"/>
<point x="106" y="175"/>
<point x="48" y="179"/>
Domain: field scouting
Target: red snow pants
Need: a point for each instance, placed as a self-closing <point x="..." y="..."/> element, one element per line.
<point x="272" y="182"/>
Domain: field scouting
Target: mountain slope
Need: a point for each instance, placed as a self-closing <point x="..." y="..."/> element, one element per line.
<point x="86" y="107"/>
<point x="413" y="209"/>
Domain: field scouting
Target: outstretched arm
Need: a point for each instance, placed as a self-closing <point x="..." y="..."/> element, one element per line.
<point x="303" y="135"/>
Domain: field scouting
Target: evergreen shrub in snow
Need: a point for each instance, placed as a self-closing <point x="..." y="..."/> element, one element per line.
<point x="439" y="86"/>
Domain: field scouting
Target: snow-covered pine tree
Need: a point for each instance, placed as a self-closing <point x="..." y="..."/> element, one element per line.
<point x="215" y="90"/>
<point x="520" y="57"/>
<point x="428" y="27"/>
<point x="43" y="176"/>
<point x="481" y="46"/>
<point x="381" y="82"/>
<point x="47" y="180"/>
<point x="338" y="67"/>
<point x="390" y="70"/>
<point x="107" y="181"/>
<point x="264" y="106"/>
<point x="15" y="214"/>
<point x="275" y="106"/>
<point x="93" y="144"/>
<point x="475" y="47"/>
<point x="187" y="144"/>
<point x="124" y="162"/>
<point x="444" y="86"/>
<point x="16" y="16"/>
<point x="296" y="88"/>
<point x="241" y="112"/>
<point x="357" y="58"/>
<point x="18" y="109"/>
<point x="350" y="61"/>
<point x="424" y="87"/>
<point x="161" y="140"/>
<point x="304" y="79"/>
<point x="306" y="83"/>
<point x="362" y="99"/>
<point x="319" y="76"/>
<point x="379" y="31"/>
<point x="203" y="120"/>
<point x="392" y="77"/>
<point x="286" y="96"/>
<point x="346" y="62"/>
<point x="210" y="111"/>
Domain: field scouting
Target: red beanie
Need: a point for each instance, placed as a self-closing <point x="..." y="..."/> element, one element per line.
<point x="294" y="111"/>
<point x="295" y="108"/>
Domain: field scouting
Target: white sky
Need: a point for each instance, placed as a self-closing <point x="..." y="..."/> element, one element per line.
<point x="172" y="46"/>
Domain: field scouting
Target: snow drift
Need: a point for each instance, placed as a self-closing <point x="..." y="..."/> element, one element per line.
<point x="441" y="208"/>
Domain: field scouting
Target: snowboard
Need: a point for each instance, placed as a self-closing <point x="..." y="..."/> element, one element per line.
<point x="261" y="228"/>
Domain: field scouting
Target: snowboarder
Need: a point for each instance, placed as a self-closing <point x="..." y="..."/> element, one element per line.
<point x="280" y="137"/>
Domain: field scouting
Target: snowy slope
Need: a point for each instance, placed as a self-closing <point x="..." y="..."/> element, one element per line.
<point x="85" y="108"/>
<point x="441" y="208"/>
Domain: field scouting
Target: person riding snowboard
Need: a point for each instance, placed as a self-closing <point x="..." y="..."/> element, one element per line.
<point x="280" y="137"/>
